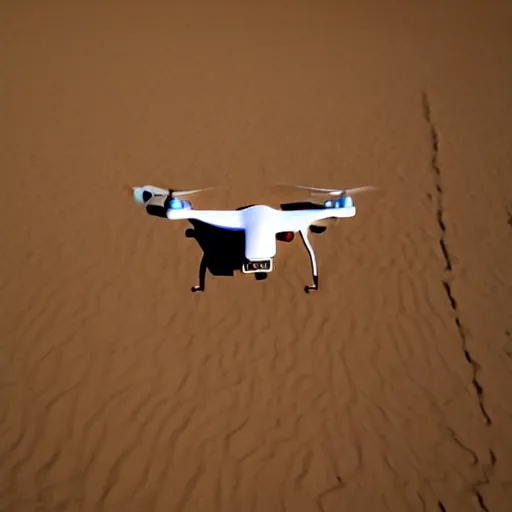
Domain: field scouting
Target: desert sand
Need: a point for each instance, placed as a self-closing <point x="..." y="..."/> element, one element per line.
<point x="388" y="389"/>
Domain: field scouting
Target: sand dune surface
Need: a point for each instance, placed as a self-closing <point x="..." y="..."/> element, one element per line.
<point x="388" y="389"/>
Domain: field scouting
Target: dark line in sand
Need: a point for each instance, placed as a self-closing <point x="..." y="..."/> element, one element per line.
<point x="487" y="471"/>
<point x="448" y="259"/>
<point x="481" y="501"/>
<point x="447" y="287"/>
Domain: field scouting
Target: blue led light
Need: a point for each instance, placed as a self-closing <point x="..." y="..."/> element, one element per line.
<point x="347" y="202"/>
<point x="176" y="204"/>
<point x="328" y="203"/>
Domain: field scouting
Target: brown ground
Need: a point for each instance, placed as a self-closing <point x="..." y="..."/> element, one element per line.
<point x="122" y="391"/>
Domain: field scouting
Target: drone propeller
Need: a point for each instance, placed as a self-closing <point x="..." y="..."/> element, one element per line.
<point x="144" y="194"/>
<point x="184" y="193"/>
<point x="335" y="192"/>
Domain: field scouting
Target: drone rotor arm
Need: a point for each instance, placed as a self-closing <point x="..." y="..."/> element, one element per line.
<point x="295" y="220"/>
<point x="225" y="219"/>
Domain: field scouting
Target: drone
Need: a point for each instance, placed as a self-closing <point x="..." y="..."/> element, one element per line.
<point x="262" y="224"/>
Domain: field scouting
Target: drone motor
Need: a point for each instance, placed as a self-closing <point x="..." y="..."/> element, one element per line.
<point x="179" y="204"/>
<point x="344" y="202"/>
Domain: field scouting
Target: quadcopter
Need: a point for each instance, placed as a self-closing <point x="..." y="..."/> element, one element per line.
<point x="262" y="225"/>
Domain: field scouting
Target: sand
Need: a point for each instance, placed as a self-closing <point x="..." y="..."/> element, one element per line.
<point x="388" y="389"/>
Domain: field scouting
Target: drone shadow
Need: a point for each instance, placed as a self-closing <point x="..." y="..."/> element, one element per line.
<point x="223" y="250"/>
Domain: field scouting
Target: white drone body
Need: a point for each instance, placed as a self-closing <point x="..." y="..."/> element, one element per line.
<point x="261" y="224"/>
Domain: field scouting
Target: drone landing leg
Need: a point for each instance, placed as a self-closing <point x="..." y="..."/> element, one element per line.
<point x="202" y="276"/>
<point x="312" y="258"/>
